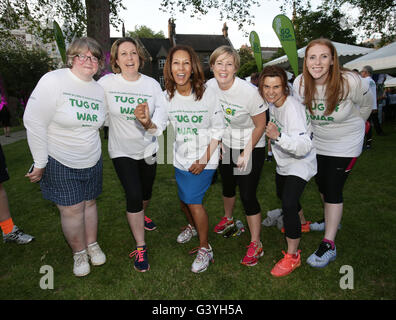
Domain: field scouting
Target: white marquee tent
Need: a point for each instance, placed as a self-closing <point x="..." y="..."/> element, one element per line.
<point x="391" y="82"/>
<point x="382" y="60"/>
<point x="346" y="52"/>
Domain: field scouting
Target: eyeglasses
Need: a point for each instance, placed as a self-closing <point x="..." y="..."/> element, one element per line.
<point x="83" y="58"/>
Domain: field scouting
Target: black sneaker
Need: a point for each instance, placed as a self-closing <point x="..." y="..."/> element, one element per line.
<point x="149" y="224"/>
<point x="141" y="260"/>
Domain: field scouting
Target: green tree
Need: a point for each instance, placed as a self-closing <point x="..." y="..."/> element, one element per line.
<point x="240" y="11"/>
<point x="375" y="16"/>
<point x="21" y="69"/>
<point x="323" y="22"/>
<point x="145" y="32"/>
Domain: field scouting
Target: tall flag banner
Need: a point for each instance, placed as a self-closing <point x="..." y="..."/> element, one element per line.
<point x="255" y="44"/>
<point x="284" y="29"/>
<point x="60" y="41"/>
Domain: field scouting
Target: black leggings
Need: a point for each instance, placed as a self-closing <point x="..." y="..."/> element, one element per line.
<point x="332" y="175"/>
<point x="137" y="178"/>
<point x="289" y="190"/>
<point x="248" y="183"/>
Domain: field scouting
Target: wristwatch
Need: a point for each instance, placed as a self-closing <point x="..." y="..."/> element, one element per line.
<point x="277" y="139"/>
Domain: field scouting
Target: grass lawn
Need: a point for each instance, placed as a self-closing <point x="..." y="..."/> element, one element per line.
<point x="364" y="243"/>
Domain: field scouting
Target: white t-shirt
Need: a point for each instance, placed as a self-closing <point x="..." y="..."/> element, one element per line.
<point x="239" y="104"/>
<point x="127" y="137"/>
<point x="341" y="133"/>
<point x="195" y="123"/>
<point x="294" y="152"/>
<point x="62" y="119"/>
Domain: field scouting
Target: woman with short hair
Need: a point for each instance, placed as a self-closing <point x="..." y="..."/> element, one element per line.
<point x="62" y="120"/>
<point x="131" y="148"/>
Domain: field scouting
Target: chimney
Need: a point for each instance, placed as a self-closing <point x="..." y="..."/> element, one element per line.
<point x="123" y="30"/>
<point x="171" y="31"/>
<point x="225" y="30"/>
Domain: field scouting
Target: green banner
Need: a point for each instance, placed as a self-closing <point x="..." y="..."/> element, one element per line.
<point x="255" y="44"/>
<point x="284" y="29"/>
<point x="60" y="41"/>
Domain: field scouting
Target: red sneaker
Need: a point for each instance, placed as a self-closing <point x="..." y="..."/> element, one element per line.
<point x="254" y="252"/>
<point x="304" y="227"/>
<point x="224" y="225"/>
<point x="286" y="265"/>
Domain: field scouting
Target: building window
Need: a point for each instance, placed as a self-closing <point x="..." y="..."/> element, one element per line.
<point x="161" y="63"/>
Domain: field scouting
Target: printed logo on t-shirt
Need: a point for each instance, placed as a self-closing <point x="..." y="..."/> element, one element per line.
<point x="86" y="108"/>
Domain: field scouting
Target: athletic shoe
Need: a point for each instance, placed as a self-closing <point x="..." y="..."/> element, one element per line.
<point x="18" y="236"/>
<point x="149" y="224"/>
<point x="141" y="260"/>
<point x="304" y="227"/>
<point x="224" y="225"/>
<point x="321" y="257"/>
<point x="81" y="265"/>
<point x="203" y="259"/>
<point x="254" y="252"/>
<point x="286" y="265"/>
<point x="320" y="226"/>
<point x="187" y="234"/>
<point x="96" y="254"/>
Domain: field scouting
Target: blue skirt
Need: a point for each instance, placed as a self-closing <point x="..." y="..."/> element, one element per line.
<point x="191" y="187"/>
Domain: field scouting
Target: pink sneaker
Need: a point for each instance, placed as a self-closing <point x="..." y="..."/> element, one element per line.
<point x="254" y="252"/>
<point x="224" y="225"/>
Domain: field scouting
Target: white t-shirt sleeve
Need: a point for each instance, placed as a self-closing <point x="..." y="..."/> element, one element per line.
<point x="217" y="120"/>
<point x="297" y="140"/>
<point x="39" y="112"/>
<point x="160" y="116"/>
<point x="361" y="95"/>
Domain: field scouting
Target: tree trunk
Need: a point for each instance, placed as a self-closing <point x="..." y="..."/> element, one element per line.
<point x="98" y="19"/>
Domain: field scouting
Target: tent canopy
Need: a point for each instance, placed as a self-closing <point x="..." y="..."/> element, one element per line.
<point x="346" y="52"/>
<point x="382" y="60"/>
<point x="391" y="82"/>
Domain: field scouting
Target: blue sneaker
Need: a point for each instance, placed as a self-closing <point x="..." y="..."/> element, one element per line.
<point x="149" y="224"/>
<point x="321" y="257"/>
<point x="141" y="260"/>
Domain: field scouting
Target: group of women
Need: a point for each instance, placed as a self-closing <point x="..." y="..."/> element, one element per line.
<point x="318" y="131"/>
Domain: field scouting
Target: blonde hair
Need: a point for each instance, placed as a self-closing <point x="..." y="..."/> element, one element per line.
<point x="336" y="86"/>
<point x="114" y="53"/>
<point x="82" y="44"/>
<point x="228" y="50"/>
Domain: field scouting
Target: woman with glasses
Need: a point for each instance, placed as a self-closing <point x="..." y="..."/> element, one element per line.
<point x="62" y="120"/>
<point x="131" y="148"/>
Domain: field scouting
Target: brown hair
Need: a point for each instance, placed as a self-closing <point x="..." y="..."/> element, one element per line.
<point x="273" y="71"/>
<point x="197" y="76"/>
<point x="336" y="85"/>
<point x="114" y="53"/>
<point x="79" y="45"/>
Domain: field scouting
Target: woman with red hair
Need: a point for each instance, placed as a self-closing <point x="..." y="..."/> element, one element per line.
<point x="338" y="103"/>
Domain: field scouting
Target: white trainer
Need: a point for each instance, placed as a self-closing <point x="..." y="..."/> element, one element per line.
<point x="187" y="234"/>
<point x="81" y="265"/>
<point x="203" y="259"/>
<point x="96" y="254"/>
